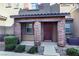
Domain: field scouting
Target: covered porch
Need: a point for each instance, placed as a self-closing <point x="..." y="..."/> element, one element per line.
<point x="48" y="31"/>
<point x="45" y="28"/>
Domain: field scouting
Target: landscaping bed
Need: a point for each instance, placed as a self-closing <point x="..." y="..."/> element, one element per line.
<point x="11" y="45"/>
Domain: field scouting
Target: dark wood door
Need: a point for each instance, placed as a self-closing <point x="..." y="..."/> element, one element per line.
<point x="48" y="29"/>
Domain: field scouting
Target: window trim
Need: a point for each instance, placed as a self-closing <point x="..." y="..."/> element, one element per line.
<point x="28" y="27"/>
<point x="16" y="6"/>
<point x="8" y="5"/>
<point x="71" y="27"/>
<point x="24" y="29"/>
<point x="34" y="9"/>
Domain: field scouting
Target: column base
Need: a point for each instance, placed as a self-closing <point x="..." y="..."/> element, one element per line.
<point x="61" y="45"/>
<point x="37" y="43"/>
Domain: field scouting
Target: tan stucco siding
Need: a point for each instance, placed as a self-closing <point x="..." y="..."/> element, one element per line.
<point x="28" y="37"/>
<point x="2" y="30"/>
<point x="75" y="16"/>
<point x="9" y="30"/>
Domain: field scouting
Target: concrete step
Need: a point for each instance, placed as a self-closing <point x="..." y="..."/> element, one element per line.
<point x="50" y="51"/>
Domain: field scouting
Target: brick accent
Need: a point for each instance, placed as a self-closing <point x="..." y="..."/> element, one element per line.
<point x="37" y="33"/>
<point x="17" y="30"/>
<point x="61" y="33"/>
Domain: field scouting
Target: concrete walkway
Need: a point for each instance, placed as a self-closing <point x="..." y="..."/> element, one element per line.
<point x="29" y="43"/>
<point x="49" y="47"/>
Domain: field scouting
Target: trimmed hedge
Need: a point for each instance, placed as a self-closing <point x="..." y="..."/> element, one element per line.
<point x="10" y="39"/>
<point x="33" y="50"/>
<point x="20" y="48"/>
<point x="10" y="47"/>
<point x="72" y="52"/>
<point x="10" y="42"/>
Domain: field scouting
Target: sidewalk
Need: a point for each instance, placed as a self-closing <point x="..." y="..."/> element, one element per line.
<point x="6" y="53"/>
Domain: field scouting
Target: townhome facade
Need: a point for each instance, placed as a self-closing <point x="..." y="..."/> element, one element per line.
<point x="45" y="23"/>
<point x="41" y="22"/>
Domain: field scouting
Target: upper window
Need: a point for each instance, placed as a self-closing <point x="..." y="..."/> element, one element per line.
<point x="33" y="6"/>
<point x="8" y="5"/>
<point x="16" y="6"/>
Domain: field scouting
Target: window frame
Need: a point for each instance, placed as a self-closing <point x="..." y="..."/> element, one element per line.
<point x="16" y="6"/>
<point x="36" y="7"/>
<point x="24" y="29"/>
<point x="27" y="27"/>
<point x="71" y="27"/>
<point x="8" y="5"/>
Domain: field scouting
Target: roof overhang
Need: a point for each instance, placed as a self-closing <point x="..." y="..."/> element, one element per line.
<point x="40" y="15"/>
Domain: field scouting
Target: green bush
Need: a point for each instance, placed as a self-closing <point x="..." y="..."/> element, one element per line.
<point x="72" y="52"/>
<point x="20" y="48"/>
<point x="10" y="39"/>
<point x="33" y="50"/>
<point x="10" y="42"/>
<point x="10" y="47"/>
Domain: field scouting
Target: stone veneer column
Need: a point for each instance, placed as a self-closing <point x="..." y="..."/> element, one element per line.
<point x="17" y="30"/>
<point x="37" y="33"/>
<point x="61" y="33"/>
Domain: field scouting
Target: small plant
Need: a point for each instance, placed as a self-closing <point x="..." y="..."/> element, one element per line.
<point x="72" y="52"/>
<point x="10" y="47"/>
<point x="20" y="48"/>
<point x="33" y="50"/>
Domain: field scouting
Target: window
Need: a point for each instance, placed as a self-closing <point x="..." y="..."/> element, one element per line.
<point x="68" y="27"/>
<point x="16" y="6"/>
<point x="33" y="6"/>
<point x="29" y="28"/>
<point x="8" y="5"/>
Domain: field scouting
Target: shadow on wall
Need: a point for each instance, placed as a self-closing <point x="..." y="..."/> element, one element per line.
<point x="3" y="35"/>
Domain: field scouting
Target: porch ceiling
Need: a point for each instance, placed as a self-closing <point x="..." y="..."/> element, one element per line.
<point x="55" y="20"/>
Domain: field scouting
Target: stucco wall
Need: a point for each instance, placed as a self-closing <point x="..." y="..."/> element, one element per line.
<point x="66" y="7"/>
<point x="75" y="16"/>
<point x="9" y="30"/>
<point x="7" y="12"/>
<point x="2" y="29"/>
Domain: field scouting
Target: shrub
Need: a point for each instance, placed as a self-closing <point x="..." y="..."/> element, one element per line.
<point x="33" y="50"/>
<point x="10" y="42"/>
<point x="72" y="52"/>
<point x="10" y="47"/>
<point x="10" y="39"/>
<point x="20" y="48"/>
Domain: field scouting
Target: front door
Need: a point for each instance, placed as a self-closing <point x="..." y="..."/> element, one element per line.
<point x="48" y="29"/>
